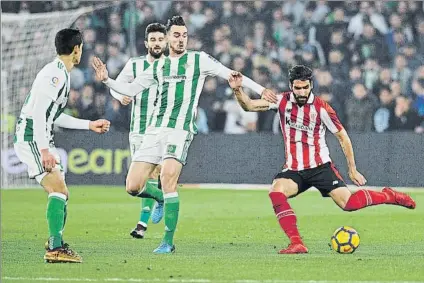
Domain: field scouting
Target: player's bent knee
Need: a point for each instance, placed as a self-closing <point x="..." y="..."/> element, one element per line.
<point x="133" y="188"/>
<point x="53" y="182"/>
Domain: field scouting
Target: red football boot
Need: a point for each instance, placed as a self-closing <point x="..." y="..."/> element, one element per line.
<point x="398" y="198"/>
<point x="295" y="248"/>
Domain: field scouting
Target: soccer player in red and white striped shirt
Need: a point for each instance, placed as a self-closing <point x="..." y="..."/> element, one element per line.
<point x="304" y="119"/>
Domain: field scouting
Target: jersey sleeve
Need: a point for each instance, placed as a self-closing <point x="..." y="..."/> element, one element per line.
<point x="66" y="121"/>
<point x="126" y="75"/>
<point x="274" y="106"/>
<point x="330" y="119"/>
<point x="209" y="65"/>
<point x="212" y="67"/>
<point x="143" y="81"/>
<point x="49" y="83"/>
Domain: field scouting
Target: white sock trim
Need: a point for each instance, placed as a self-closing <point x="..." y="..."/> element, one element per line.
<point x="142" y="224"/>
<point x="170" y="195"/>
<point x="58" y="195"/>
<point x="153" y="181"/>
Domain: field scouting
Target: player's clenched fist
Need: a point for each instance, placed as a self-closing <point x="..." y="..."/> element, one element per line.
<point x="100" y="126"/>
<point x="100" y="69"/>
<point x="235" y="80"/>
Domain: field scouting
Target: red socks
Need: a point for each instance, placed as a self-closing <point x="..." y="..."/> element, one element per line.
<point x="286" y="216"/>
<point x="364" y="198"/>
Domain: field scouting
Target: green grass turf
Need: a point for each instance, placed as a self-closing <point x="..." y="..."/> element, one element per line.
<point x="222" y="236"/>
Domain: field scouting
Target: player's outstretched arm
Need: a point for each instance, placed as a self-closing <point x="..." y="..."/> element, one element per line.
<point x="344" y="140"/>
<point x="254" y="105"/>
<point x="128" y="89"/>
<point x="100" y="126"/>
<point x="213" y="67"/>
<point x="126" y="75"/>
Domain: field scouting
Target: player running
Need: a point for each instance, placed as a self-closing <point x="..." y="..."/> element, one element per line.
<point x="33" y="139"/>
<point x="142" y="110"/>
<point x="180" y="78"/>
<point x="304" y="119"/>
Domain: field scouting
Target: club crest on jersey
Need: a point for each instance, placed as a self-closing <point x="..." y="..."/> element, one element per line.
<point x="55" y="81"/>
<point x="313" y="116"/>
<point x="298" y="126"/>
<point x="171" y="149"/>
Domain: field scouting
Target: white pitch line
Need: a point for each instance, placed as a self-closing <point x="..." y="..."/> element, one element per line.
<point x="172" y="280"/>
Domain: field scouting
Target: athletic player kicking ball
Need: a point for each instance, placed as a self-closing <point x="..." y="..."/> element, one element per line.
<point x="304" y="119"/>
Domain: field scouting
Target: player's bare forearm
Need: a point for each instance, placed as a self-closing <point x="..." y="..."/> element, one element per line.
<point x="347" y="148"/>
<point x="255" y="105"/>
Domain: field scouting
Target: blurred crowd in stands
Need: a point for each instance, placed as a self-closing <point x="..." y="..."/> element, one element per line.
<point x="367" y="57"/>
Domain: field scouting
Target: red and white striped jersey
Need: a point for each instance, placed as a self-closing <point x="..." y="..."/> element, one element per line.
<point x="303" y="129"/>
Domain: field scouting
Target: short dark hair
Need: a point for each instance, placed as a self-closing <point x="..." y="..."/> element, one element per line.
<point x="66" y="39"/>
<point x="154" y="27"/>
<point x="175" y="21"/>
<point x="300" y="72"/>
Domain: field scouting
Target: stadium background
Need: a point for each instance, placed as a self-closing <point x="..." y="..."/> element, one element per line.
<point x="368" y="60"/>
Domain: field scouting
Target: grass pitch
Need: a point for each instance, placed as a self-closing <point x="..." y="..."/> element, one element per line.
<point x="222" y="236"/>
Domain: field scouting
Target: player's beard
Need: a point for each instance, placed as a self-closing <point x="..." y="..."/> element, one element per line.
<point x="301" y="100"/>
<point x="156" y="54"/>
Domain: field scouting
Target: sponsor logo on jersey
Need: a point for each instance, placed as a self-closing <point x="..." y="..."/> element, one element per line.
<point x="298" y="126"/>
<point x="174" y="79"/>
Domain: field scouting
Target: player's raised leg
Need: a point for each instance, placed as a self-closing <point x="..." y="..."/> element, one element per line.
<point x="147" y="205"/>
<point x="363" y="198"/>
<point x="170" y="174"/>
<point x="281" y="190"/>
<point x="55" y="186"/>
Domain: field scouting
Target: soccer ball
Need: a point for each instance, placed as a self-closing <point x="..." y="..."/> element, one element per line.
<point x="345" y="240"/>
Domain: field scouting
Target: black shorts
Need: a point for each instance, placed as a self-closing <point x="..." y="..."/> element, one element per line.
<point x="324" y="177"/>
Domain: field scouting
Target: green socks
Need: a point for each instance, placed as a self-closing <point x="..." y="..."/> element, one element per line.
<point x="65" y="214"/>
<point x="55" y="218"/>
<point x="151" y="190"/>
<point x="172" y="207"/>
<point x="147" y="205"/>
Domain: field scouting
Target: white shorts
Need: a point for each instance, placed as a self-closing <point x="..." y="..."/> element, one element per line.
<point x="135" y="142"/>
<point x="162" y="143"/>
<point x="29" y="154"/>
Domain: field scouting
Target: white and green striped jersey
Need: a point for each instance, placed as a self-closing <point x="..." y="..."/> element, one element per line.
<point x="143" y="103"/>
<point x="180" y="81"/>
<point x="43" y="105"/>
